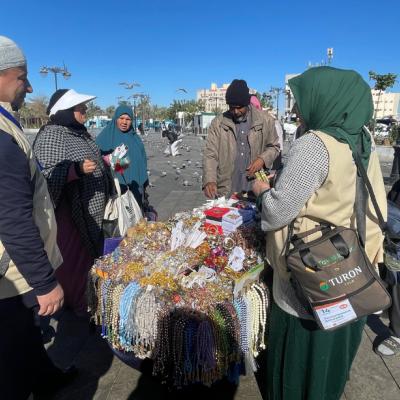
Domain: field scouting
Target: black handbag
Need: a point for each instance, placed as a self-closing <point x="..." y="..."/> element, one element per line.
<point x="332" y="275"/>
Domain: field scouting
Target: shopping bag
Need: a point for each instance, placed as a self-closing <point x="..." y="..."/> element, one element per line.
<point x="122" y="212"/>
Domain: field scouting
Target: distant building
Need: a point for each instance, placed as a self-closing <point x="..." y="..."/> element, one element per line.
<point x="386" y="105"/>
<point x="289" y="99"/>
<point x="201" y="122"/>
<point x="214" y="98"/>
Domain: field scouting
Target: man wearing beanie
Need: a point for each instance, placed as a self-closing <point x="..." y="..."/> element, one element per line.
<point x="28" y="249"/>
<point x="239" y="143"/>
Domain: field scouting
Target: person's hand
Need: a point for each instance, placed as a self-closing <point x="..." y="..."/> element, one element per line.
<point x="51" y="302"/>
<point x="107" y="159"/>
<point x="255" y="166"/>
<point x="210" y="190"/>
<point x="260" y="186"/>
<point x="125" y="162"/>
<point x="88" y="166"/>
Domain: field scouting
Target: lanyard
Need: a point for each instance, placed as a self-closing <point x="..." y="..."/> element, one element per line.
<point x="10" y="117"/>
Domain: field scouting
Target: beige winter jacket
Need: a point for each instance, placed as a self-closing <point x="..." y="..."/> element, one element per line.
<point x="220" y="149"/>
<point x="333" y="202"/>
<point x="13" y="283"/>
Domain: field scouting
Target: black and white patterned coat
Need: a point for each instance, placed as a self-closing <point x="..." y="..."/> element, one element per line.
<point x="56" y="148"/>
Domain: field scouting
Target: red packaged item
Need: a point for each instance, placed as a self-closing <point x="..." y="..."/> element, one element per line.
<point x="216" y="213"/>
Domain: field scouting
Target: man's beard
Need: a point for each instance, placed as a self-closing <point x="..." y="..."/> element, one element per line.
<point x="18" y="102"/>
<point x="240" y="119"/>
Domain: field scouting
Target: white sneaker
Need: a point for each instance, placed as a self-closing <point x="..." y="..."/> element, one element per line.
<point x="388" y="347"/>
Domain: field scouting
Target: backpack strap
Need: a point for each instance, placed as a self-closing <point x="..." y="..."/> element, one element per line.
<point x="364" y="176"/>
<point x="340" y="245"/>
<point x="4" y="263"/>
<point x="308" y="259"/>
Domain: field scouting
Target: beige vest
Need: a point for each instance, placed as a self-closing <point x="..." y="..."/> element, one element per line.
<point x="13" y="283"/>
<point x="333" y="202"/>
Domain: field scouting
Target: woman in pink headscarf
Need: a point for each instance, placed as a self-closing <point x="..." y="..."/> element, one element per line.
<point x="255" y="102"/>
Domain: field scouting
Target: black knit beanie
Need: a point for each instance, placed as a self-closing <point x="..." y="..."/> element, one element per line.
<point x="238" y="93"/>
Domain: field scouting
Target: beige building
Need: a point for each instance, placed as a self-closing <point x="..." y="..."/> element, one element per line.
<point x="289" y="98"/>
<point x="387" y="104"/>
<point x="214" y="98"/>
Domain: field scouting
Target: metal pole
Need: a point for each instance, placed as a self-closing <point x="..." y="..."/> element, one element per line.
<point x="142" y="115"/>
<point x="134" y="111"/>
<point x="55" y="79"/>
<point x="277" y="104"/>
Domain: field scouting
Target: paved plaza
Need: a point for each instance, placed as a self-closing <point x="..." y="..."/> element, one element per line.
<point x="176" y="186"/>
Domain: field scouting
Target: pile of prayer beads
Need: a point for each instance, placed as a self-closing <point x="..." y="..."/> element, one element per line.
<point x="176" y="305"/>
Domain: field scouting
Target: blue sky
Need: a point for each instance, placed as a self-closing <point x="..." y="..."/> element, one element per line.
<point x="170" y="44"/>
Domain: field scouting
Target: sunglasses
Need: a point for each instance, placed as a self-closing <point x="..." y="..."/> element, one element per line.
<point x="81" y="108"/>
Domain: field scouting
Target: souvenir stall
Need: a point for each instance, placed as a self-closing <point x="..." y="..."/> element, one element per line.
<point x="186" y="294"/>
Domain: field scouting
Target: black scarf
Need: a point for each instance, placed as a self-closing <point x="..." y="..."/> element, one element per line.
<point x="67" y="118"/>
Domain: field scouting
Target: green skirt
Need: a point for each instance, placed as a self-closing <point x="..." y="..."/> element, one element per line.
<point x="306" y="363"/>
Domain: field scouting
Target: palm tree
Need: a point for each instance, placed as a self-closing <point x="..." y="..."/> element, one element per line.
<point x="93" y="109"/>
<point x="33" y="114"/>
<point x="110" y="110"/>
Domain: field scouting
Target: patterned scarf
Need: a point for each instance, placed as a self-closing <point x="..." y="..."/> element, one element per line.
<point x="56" y="148"/>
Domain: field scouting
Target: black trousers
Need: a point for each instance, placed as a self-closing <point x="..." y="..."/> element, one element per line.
<point x="392" y="280"/>
<point x="394" y="310"/>
<point x="277" y="164"/>
<point x="24" y="363"/>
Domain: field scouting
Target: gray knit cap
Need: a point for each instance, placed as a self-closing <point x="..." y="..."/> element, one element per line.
<point x="11" y="55"/>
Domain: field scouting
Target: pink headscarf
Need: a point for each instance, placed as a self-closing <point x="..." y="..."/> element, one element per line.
<point x="255" y="102"/>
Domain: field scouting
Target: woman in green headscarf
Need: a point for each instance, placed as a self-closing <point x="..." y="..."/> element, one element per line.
<point x="120" y="130"/>
<point x="318" y="184"/>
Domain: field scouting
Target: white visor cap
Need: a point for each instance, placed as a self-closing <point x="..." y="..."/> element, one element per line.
<point x="70" y="99"/>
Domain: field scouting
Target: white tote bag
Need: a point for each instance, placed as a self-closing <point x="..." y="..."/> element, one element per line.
<point x="121" y="213"/>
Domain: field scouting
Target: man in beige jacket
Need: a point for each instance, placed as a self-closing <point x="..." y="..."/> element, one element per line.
<point x="28" y="249"/>
<point x="239" y="143"/>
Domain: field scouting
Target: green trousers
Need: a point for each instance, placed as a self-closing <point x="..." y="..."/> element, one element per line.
<point x="306" y="363"/>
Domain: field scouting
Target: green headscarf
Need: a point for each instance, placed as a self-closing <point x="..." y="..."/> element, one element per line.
<point x="337" y="102"/>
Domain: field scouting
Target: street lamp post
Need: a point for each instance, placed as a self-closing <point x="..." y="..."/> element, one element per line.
<point x="129" y="86"/>
<point x="55" y="70"/>
<point x="134" y="97"/>
<point x="134" y="111"/>
<point x="182" y="120"/>
<point x="277" y="91"/>
<point x="288" y="108"/>
<point x="329" y="53"/>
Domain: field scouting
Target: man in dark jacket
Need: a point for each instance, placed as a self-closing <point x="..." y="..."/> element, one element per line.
<point x="390" y="344"/>
<point x="28" y="250"/>
<point x="239" y="143"/>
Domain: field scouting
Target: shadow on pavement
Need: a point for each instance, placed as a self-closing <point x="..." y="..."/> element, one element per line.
<point x="149" y="387"/>
<point x="76" y="344"/>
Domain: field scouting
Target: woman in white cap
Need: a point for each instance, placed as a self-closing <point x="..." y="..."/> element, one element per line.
<point x="79" y="186"/>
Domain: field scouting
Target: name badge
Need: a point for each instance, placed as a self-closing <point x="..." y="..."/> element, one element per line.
<point x="335" y="314"/>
